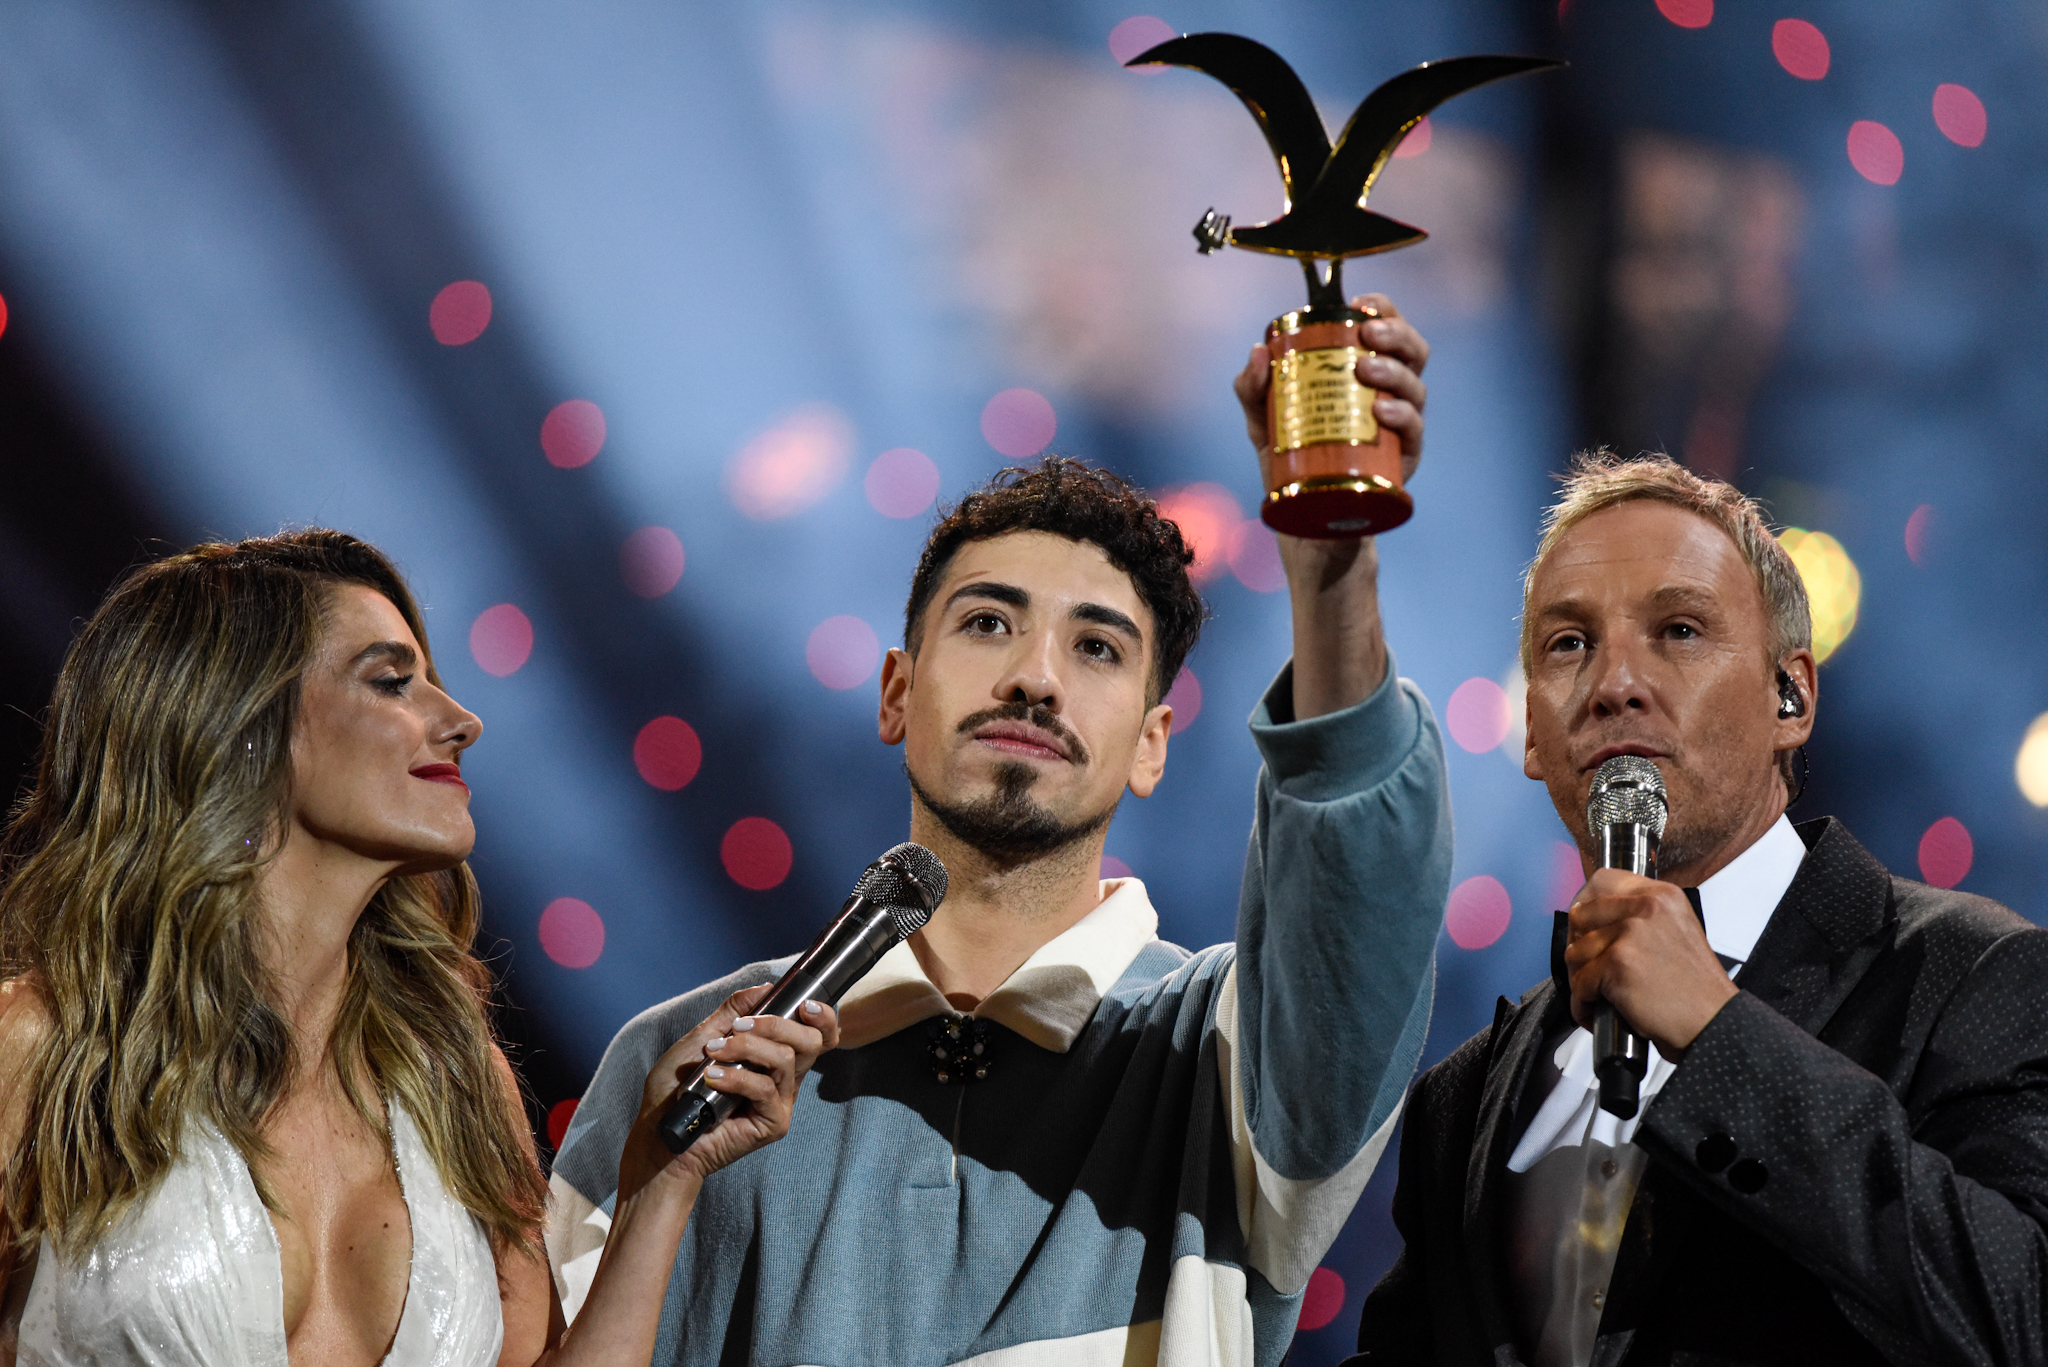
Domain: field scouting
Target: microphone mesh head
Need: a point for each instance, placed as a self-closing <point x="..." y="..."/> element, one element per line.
<point x="910" y="881"/>
<point x="1628" y="790"/>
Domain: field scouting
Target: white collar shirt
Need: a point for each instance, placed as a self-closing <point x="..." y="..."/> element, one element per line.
<point x="1048" y="1000"/>
<point x="1736" y="904"/>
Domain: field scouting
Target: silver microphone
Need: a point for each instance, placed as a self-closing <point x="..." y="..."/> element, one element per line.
<point x="1627" y="810"/>
<point x="894" y="898"/>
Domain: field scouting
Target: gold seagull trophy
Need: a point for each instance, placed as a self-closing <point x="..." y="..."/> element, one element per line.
<point x="1335" y="473"/>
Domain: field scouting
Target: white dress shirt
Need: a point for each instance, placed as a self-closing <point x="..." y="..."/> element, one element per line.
<point x="1735" y="903"/>
<point x="1574" y="1172"/>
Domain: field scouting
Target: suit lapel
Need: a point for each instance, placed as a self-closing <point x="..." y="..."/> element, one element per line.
<point x="1518" y="1032"/>
<point x="1824" y="935"/>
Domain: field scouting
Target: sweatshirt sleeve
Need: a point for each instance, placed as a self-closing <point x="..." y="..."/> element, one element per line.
<point x="1324" y="1015"/>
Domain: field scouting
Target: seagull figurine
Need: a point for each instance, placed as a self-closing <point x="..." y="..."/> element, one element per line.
<point x="1324" y="217"/>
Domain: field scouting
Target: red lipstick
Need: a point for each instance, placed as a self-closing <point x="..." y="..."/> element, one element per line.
<point x="441" y="773"/>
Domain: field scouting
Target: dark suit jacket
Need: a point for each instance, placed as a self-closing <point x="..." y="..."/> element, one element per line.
<point x="1849" y="1165"/>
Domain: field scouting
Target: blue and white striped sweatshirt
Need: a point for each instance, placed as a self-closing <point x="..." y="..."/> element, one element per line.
<point x="1165" y="1146"/>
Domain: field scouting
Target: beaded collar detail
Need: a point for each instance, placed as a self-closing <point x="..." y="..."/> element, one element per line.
<point x="958" y="1046"/>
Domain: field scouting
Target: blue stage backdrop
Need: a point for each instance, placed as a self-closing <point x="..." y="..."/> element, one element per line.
<point x="648" y="336"/>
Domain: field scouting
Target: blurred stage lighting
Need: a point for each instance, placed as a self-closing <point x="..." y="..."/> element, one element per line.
<point x="2031" y="766"/>
<point x="1834" y="589"/>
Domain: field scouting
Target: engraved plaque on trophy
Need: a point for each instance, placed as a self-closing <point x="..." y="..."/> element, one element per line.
<point x="1335" y="472"/>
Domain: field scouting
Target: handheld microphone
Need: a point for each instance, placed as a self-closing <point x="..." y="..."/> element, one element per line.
<point x="1627" y="810"/>
<point x="894" y="898"/>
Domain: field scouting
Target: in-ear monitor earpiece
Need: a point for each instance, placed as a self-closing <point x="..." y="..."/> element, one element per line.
<point x="1790" y="701"/>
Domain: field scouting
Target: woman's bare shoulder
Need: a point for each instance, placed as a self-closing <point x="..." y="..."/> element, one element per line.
<point x="26" y="1021"/>
<point x="514" y="1095"/>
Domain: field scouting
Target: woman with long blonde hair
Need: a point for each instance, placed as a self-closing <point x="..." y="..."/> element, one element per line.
<point x="252" y="1105"/>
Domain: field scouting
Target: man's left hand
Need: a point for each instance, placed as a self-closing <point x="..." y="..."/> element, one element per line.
<point x="1635" y="942"/>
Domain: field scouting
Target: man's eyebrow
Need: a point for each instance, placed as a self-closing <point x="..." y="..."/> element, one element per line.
<point x="1684" y="596"/>
<point x="1561" y="608"/>
<point x="983" y="588"/>
<point x="397" y="652"/>
<point x="1108" y="617"/>
<point x="1666" y="598"/>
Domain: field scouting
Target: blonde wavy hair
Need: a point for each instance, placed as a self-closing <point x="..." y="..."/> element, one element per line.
<point x="128" y="895"/>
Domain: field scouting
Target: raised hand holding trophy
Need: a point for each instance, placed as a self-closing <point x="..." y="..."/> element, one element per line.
<point x="1335" y="473"/>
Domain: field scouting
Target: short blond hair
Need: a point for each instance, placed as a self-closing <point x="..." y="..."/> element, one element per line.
<point x="1600" y="479"/>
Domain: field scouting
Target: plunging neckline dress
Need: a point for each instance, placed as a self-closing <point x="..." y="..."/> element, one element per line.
<point x="192" y="1276"/>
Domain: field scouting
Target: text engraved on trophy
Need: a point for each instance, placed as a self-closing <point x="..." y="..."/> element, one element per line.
<point x="1317" y="400"/>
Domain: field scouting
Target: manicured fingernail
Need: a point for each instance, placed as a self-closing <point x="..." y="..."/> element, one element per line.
<point x="744" y="1023"/>
<point x="813" y="1008"/>
<point x="714" y="1072"/>
<point x="717" y="1044"/>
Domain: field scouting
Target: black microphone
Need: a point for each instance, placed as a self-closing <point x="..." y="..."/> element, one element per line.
<point x="1627" y="811"/>
<point x="892" y="901"/>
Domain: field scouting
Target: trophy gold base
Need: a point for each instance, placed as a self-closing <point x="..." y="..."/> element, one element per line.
<point x="1335" y="473"/>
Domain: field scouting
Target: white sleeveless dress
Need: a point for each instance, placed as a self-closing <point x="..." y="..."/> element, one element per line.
<point x="192" y="1277"/>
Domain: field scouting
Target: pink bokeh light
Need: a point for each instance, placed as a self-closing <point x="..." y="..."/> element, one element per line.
<point x="667" y="753"/>
<point x="1875" y="152"/>
<point x="1959" y="114"/>
<point x="459" y="313"/>
<point x="572" y="434"/>
<point x="1113" y="867"/>
<point x="1687" y="13"/>
<point x="1479" y="715"/>
<point x="902" y="482"/>
<point x="1919" y="534"/>
<point x="1323" y="1301"/>
<point x="1417" y="141"/>
<point x="1255" y="557"/>
<point x="1945" y="853"/>
<point x="1019" y="423"/>
<point x="1567" y="874"/>
<point x="1207" y="515"/>
<point x="572" y="932"/>
<point x="651" y="561"/>
<point x="756" y="853"/>
<point x="501" y="639"/>
<point x="1800" y="48"/>
<point x="792" y="465"/>
<point x="559" y="1116"/>
<point x="843" y="652"/>
<point x="1185" y="698"/>
<point x="3" y="315"/>
<point x="1478" y="912"/>
<point x="1137" y="34"/>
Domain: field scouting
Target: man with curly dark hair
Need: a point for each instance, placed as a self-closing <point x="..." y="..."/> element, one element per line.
<point x="1049" y="1135"/>
<point x="1064" y="510"/>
